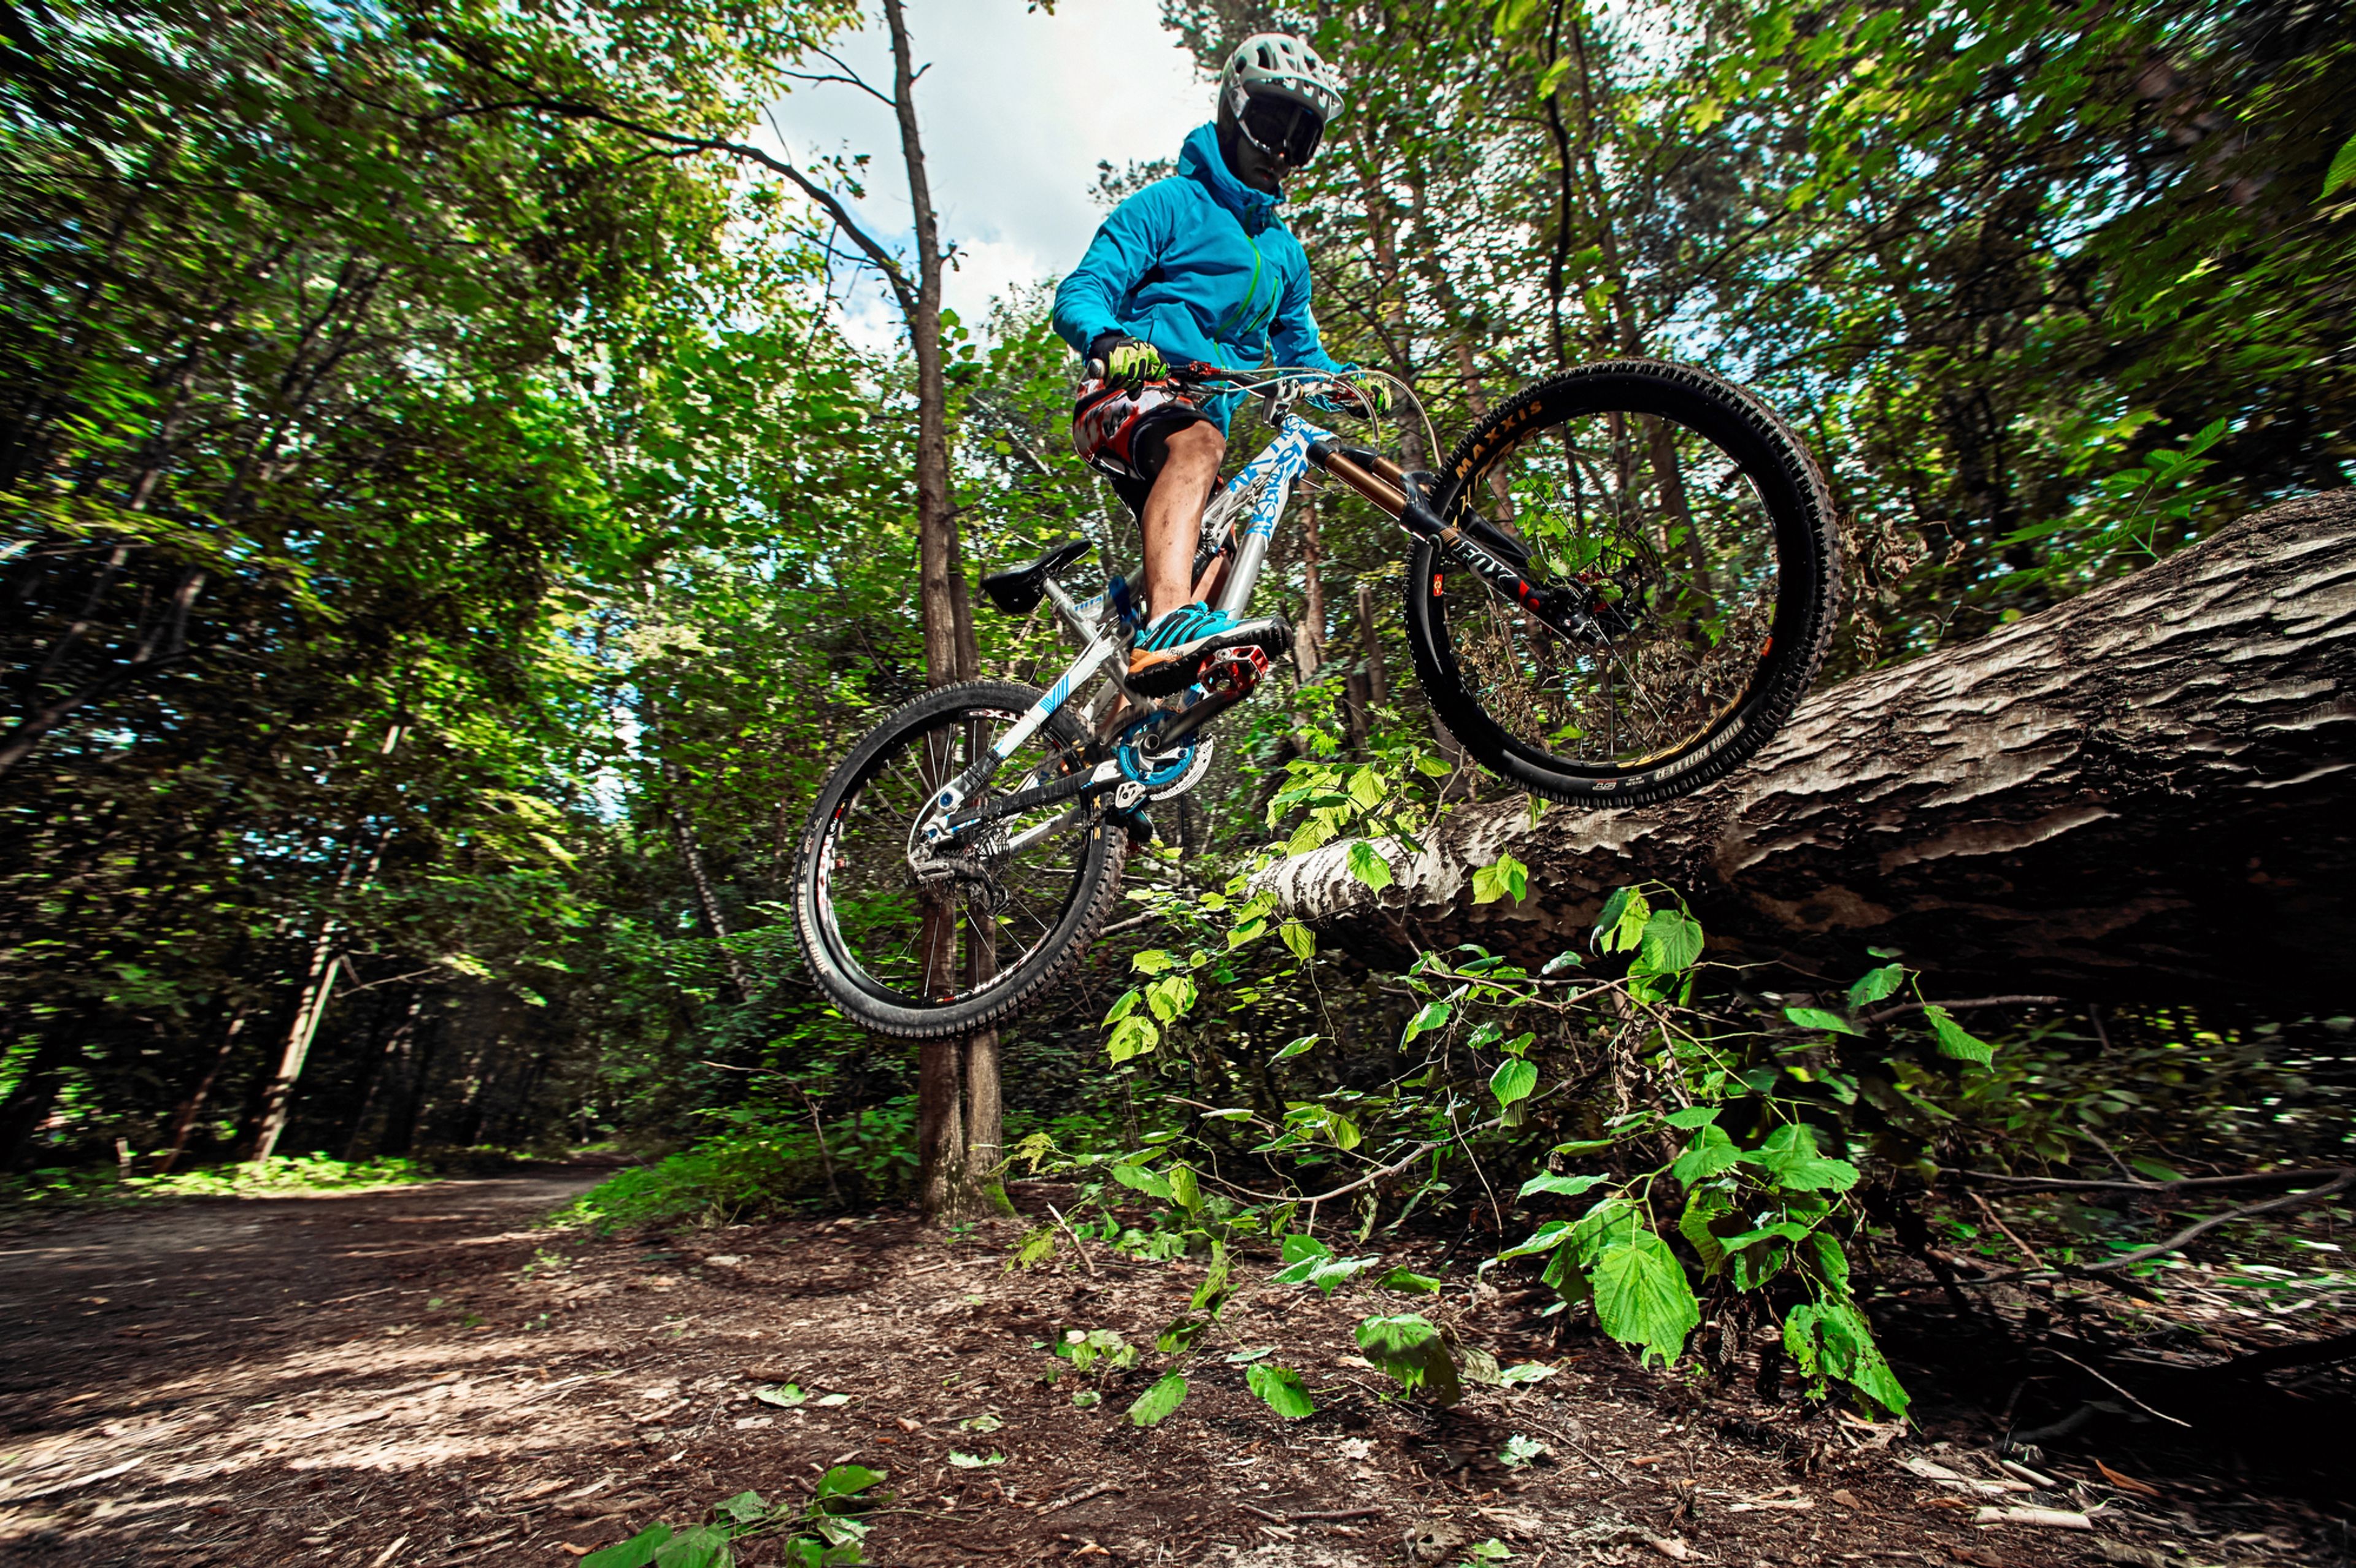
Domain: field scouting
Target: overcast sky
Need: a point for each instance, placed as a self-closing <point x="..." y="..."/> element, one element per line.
<point x="1016" y="111"/>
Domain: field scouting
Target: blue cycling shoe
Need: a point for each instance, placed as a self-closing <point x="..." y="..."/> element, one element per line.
<point x="1169" y="656"/>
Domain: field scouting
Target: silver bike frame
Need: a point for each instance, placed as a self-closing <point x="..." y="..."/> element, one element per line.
<point x="1099" y="624"/>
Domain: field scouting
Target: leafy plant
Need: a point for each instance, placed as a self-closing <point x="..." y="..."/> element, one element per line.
<point x="824" y="1534"/>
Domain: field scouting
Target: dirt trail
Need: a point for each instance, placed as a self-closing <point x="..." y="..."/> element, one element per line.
<point x="418" y="1379"/>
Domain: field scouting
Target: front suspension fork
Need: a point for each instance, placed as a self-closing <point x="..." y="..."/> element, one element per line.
<point x="1404" y="496"/>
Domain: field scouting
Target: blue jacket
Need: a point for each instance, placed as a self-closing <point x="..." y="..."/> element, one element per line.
<point x="1199" y="266"/>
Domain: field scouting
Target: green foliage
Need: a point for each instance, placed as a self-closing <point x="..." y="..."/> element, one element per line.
<point x="756" y="1168"/>
<point x="1156" y="1405"/>
<point x="279" y="1175"/>
<point x="1411" y="1349"/>
<point x="825" y="1534"/>
<point x="1280" y="1389"/>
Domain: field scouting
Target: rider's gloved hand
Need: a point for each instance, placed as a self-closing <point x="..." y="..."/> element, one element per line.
<point x="1127" y="361"/>
<point x="1366" y="399"/>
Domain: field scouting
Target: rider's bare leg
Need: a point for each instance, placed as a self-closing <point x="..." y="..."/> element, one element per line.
<point x="1173" y="512"/>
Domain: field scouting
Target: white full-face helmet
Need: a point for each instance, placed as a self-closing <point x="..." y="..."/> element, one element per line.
<point x="1281" y="95"/>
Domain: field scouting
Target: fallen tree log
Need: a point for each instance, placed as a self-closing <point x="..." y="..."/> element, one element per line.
<point x="2148" y="791"/>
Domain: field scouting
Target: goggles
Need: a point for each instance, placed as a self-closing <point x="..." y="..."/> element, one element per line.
<point x="1281" y="127"/>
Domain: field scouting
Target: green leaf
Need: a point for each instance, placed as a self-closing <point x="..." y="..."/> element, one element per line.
<point x="1790" y="1155"/>
<point x="1875" y="984"/>
<point x="1544" y="1239"/>
<point x="1407" y="1282"/>
<point x="1620" y="924"/>
<point x="1831" y="1338"/>
<point x="1520" y="1451"/>
<point x="1692" y="1116"/>
<point x="1142" y="1180"/>
<point x="1703" y="1206"/>
<point x="1430" y="1016"/>
<point x="1295" y="1048"/>
<point x="1209" y="1294"/>
<point x="1185" y="1192"/>
<point x="1133" y="1035"/>
<point x="1153" y="1406"/>
<point x="845" y="1481"/>
<point x="1832" y="1263"/>
<point x="2342" y="172"/>
<point x="1505" y="879"/>
<point x="1279" y="1389"/>
<point x="1182" y="1334"/>
<point x="1816" y="1018"/>
<point x="1711" y="1152"/>
<point x="1297" y="1247"/>
<point x="974" y="1461"/>
<point x="1513" y="1081"/>
<point x="1368" y="866"/>
<point x="1300" y="939"/>
<point x="635" y="1553"/>
<point x="744" y="1508"/>
<point x="1152" y="961"/>
<point x="1954" y="1040"/>
<point x="1563" y="1186"/>
<point x="1641" y="1297"/>
<point x="1527" y="1372"/>
<point x="1410" y="1349"/>
<point x="1670" y="943"/>
<point x="705" y="1546"/>
<point x="1171" y="996"/>
<point x="785" y="1397"/>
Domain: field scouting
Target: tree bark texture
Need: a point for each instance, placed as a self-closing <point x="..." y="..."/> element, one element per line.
<point x="2146" y="791"/>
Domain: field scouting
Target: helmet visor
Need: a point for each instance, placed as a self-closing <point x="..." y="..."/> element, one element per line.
<point x="1282" y="128"/>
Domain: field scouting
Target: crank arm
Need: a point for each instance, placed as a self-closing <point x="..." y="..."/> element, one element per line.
<point x="1072" y="786"/>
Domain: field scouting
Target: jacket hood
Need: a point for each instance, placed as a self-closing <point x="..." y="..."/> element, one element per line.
<point x="1199" y="159"/>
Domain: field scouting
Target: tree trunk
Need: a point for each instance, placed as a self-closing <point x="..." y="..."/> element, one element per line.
<point x="184" y="1120"/>
<point x="318" y="990"/>
<point x="278" y="1098"/>
<point x="690" y="851"/>
<point x="958" y="1093"/>
<point x="682" y="829"/>
<point x="2142" y="792"/>
<point x="380" y="1066"/>
<point x="1370" y="642"/>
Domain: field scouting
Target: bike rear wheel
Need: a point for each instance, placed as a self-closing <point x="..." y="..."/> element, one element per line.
<point x="933" y="945"/>
<point x="1695" y="533"/>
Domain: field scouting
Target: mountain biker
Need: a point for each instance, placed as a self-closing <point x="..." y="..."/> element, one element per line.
<point x="1198" y="267"/>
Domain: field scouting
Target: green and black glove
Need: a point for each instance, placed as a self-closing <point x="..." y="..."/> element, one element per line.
<point x="1127" y="360"/>
<point x="1368" y="400"/>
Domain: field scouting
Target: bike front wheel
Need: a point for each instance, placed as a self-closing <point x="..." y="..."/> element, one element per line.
<point x="928" y="943"/>
<point x="1694" y="536"/>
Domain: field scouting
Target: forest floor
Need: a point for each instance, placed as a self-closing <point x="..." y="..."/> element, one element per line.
<point x="419" y="1378"/>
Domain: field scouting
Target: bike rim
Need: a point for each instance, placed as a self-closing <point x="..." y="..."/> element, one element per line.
<point x="1670" y="540"/>
<point x="940" y="939"/>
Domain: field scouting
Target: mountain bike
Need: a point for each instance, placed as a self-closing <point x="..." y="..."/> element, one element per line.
<point x="1618" y="587"/>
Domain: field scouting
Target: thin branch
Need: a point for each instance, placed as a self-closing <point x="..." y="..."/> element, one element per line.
<point x="1382" y="1173"/>
<point x="572" y="109"/>
<point x="2176" y="1243"/>
<point x="2154" y="1188"/>
<point x="1065" y="1225"/>
<point x="1882" y="1014"/>
<point x="2340" y="1181"/>
<point x="2114" y="1388"/>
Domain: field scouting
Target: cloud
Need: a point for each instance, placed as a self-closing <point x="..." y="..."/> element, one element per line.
<point x="1016" y="111"/>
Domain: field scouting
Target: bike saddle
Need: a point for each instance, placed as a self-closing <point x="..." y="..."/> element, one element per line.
<point x="1017" y="590"/>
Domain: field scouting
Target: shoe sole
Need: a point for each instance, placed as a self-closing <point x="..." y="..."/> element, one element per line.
<point x="1163" y="671"/>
